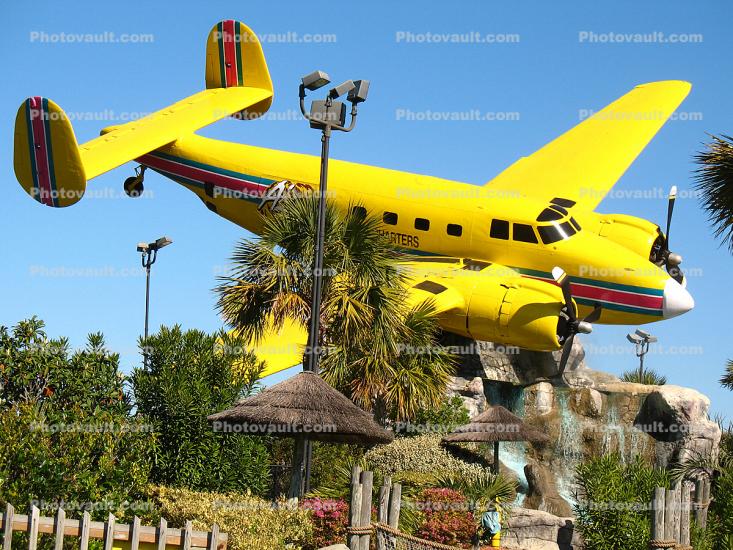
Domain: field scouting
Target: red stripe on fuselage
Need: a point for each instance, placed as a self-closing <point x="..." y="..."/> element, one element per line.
<point x="580" y="290"/>
<point x="204" y="176"/>
<point x="40" y="150"/>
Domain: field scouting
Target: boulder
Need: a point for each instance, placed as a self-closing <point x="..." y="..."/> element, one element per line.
<point x="537" y="530"/>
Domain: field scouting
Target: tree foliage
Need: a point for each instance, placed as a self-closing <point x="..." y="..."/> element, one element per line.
<point x="188" y="376"/>
<point x="381" y="353"/>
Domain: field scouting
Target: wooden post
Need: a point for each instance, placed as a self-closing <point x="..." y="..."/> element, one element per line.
<point x="705" y="502"/>
<point x="59" y="529"/>
<point x="186" y="536"/>
<point x="162" y="533"/>
<point x="658" y="510"/>
<point x="109" y="532"/>
<point x="668" y="514"/>
<point x="496" y="464"/>
<point x="384" y="492"/>
<point x="355" y="510"/>
<point x="213" y="541"/>
<point x="33" y="528"/>
<point x="685" y="515"/>
<point x="84" y="531"/>
<point x="395" y="503"/>
<point x="672" y="532"/>
<point x="8" y="526"/>
<point x="135" y="535"/>
<point x="296" y="481"/>
<point x="367" y="481"/>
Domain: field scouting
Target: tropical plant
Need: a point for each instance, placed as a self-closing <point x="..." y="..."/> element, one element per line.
<point x="67" y="438"/>
<point x="648" y="377"/>
<point x="443" y="418"/>
<point x="715" y="184"/>
<point x="445" y="517"/>
<point x="188" y="376"/>
<point x="612" y="508"/>
<point x="379" y="352"/>
<point x="727" y="379"/>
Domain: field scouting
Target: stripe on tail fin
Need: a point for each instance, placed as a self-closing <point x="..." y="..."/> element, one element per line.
<point x="234" y="58"/>
<point x="46" y="157"/>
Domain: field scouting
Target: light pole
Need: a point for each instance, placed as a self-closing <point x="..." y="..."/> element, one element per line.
<point x="325" y="115"/>
<point x="149" y="253"/>
<point x="641" y="339"/>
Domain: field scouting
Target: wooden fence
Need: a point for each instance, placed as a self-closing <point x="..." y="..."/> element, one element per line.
<point x="671" y="510"/>
<point x="131" y="535"/>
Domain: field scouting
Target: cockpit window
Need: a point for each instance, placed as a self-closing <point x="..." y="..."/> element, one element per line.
<point x="552" y="214"/>
<point x="556" y="232"/>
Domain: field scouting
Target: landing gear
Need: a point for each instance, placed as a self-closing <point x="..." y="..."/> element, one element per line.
<point x="134" y="186"/>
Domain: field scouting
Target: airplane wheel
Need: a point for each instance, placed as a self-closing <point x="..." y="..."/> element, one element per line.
<point x="134" y="187"/>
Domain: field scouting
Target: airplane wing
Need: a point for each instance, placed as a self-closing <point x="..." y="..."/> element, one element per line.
<point x="280" y="348"/>
<point x="583" y="164"/>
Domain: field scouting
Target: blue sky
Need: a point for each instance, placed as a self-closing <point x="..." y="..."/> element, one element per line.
<point x="77" y="268"/>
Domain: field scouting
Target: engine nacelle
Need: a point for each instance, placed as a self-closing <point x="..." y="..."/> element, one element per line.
<point x="638" y="235"/>
<point x="511" y="310"/>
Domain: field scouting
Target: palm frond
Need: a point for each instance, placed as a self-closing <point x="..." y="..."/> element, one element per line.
<point x="715" y="183"/>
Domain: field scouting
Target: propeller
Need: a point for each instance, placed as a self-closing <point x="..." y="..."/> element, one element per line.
<point x="671" y="260"/>
<point x="572" y="324"/>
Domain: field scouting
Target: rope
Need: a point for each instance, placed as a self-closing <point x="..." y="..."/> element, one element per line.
<point x="403" y="540"/>
<point x="657" y="543"/>
<point x="360" y="530"/>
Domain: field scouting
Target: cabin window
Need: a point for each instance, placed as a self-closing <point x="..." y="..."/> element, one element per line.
<point x="390" y="218"/>
<point x="499" y="229"/>
<point x="552" y="214"/>
<point x="422" y="224"/>
<point x="360" y="212"/>
<point x="454" y="229"/>
<point x="524" y="233"/>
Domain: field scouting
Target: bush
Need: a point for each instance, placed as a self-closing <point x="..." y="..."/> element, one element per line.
<point x="329" y="518"/>
<point x="67" y="437"/>
<point x="190" y="375"/>
<point x="613" y="502"/>
<point x="445" y="517"/>
<point x="422" y="454"/>
<point x="450" y="414"/>
<point x="252" y="523"/>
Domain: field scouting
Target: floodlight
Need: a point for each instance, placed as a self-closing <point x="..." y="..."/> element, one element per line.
<point x="142" y="247"/>
<point x="644" y="334"/>
<point x="315" y="80"/>
<point x="341" y="89"/>
<point x="634" y="338"/>
<point x="160" y="243"/>
<point x="359" y="92"/>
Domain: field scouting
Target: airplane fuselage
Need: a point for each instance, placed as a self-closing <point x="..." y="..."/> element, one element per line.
<point x="426" y="215"/>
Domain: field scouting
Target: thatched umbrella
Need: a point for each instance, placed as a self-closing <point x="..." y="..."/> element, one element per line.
<point x="494" y="425"/>
<point x="302" y="407"/>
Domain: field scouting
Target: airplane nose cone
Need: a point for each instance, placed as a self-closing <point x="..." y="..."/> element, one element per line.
<point x="676" y="300"/>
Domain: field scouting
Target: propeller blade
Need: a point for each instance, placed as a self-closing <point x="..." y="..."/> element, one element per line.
<point x="594" y="315"/>
<point x="566" y="348"/>
<point x="563" y="281"/>
<point x="670" y="209"/>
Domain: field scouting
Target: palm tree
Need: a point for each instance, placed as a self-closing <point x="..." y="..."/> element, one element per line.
<point x="368" y="332"/>
<point x="727" y="379"/>
<point x="715" y="184"/>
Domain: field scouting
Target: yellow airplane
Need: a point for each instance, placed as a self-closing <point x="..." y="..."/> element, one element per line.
<point x="486" y="256"/>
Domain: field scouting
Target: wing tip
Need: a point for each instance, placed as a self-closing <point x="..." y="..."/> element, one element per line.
<point x="682" y="86"/>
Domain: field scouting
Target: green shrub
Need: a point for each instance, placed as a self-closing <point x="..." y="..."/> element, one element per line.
<point x="443" y="418"/>
<point x="613" y="502"/>
<point x="65" y="431"/>
<point x="190" y="375"/>
<point x="252" y="523"/>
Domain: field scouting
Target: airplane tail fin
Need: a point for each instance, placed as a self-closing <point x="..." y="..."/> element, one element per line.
<point x="46" y="156"/>
<point x="53" y="168"/>
<point x="234" y="58"/>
